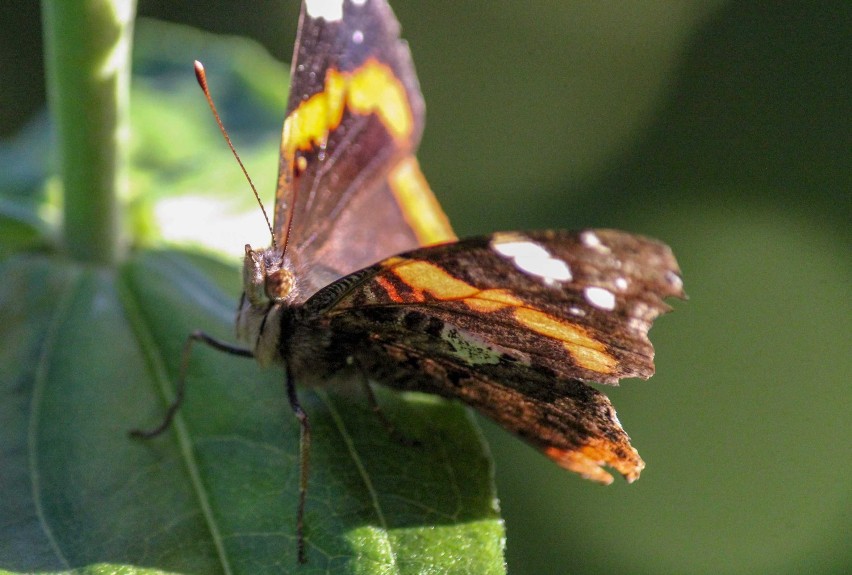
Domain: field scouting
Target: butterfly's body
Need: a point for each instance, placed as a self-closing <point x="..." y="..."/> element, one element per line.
<point x="365" y="274"/>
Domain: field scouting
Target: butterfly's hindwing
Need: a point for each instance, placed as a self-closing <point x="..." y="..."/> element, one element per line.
<point x="569" y="421"/>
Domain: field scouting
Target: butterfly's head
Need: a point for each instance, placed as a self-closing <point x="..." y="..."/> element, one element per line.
<point x="266" y="277"/>
<point x="268" y="286"/>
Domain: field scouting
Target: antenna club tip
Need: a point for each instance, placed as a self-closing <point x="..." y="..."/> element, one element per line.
<point x="199" y="73"/>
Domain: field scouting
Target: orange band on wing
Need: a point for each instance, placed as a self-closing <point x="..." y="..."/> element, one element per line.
<point x="588" y="459"/>
<point x="390" y="289"/>
<point x="421" y="276"/>
<point x="587" y="351"/>
<point x="492" y="300"/>
<point x="419" y="207"/>
<point x="426" y="277"/>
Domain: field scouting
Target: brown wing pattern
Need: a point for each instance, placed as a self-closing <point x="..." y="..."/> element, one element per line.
<point x="569" y="421"/>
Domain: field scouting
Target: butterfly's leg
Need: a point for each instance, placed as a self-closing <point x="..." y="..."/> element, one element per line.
<point x="304" y="462"/>
<point x="377" y="409"/>
<point x="181" y="382"/>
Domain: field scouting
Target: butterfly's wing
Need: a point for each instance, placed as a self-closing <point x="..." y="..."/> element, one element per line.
<point x="514" y="324"/>
<point x="575" y="304"/>
<point x="349" y="187"/>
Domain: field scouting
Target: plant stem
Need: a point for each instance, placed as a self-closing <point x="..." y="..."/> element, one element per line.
<point x="87" y="45"/>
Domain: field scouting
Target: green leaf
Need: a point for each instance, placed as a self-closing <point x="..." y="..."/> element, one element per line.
<point x="24" y="204"/>
<point x="91" y="352"/>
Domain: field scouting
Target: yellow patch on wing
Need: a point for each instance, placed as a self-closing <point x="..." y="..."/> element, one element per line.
<point x="586" y="351"/>
<point x="370" y="89"/>
<point x="588" y="460"/>
<point x="374" y="89"/>
<point x="422" y="276"/>
<point x="309" y="124"/>
<point x="491" y="300"/>
<point x="419" y="207"/>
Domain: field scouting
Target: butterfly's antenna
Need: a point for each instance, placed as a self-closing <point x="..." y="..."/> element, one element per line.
<point x="202" y="81"/>
<point x="289" y="222"/>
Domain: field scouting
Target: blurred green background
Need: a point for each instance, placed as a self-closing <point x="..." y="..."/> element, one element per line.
<point x="722" y="128"/>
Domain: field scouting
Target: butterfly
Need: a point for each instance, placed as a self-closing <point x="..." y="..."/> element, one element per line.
<point x="365" y="274"/>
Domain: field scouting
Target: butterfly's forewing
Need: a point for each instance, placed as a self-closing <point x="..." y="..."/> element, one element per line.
<point x="513" y="324"/>
<point x="577" y="304"/>
<point x="347" y="175"/>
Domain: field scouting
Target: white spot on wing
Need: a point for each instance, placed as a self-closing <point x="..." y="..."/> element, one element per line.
<point x="328" y="10"/>
<point x="621" y="283"/>
<point x="600" y="297"/>
<point x="674" y="280"/>
<point x="591" y="240"/>
<point x="357" y="36"/>
<point x="532" y="258"/>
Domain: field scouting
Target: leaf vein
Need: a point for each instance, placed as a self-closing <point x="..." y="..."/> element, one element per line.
<point x="365" y="477"/>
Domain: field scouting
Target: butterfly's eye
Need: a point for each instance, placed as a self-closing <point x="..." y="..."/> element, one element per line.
<point x="279" y="284"/>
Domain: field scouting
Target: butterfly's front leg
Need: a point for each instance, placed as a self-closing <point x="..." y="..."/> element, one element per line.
<point x="181" y="382"/>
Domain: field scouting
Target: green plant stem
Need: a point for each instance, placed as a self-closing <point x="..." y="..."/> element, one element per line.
<point x="87" y="45"/>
